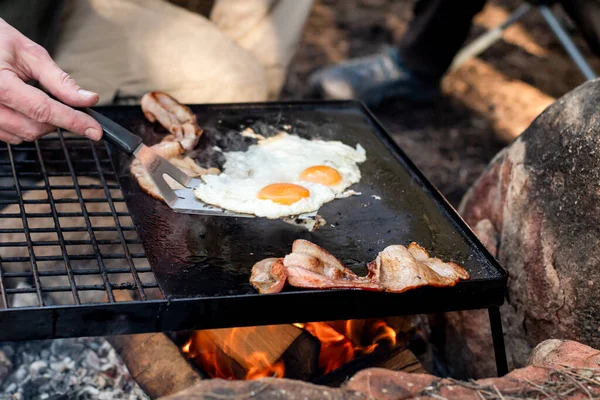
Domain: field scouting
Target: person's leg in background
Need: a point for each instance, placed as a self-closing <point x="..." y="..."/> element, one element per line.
<point x="126" y="48"/>
<point x="269" y="29"/>
<point x="586" y="14"/>
<point x="413" y="70"/>
<point x="436" y="33"/>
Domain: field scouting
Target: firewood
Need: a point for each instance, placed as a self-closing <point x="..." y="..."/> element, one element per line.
<point x="241" y="343"/>
<point x="155" y="363"/>
<point x="302" y="358"/>
<point x="297" y="349"/>
<point x="398" y="359"/>
<point x="402" y="360"/>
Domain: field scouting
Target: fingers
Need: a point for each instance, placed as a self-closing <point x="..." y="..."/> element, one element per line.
<point x="9" y="138"/>
<point x="40" y="66"/>
<point x="21" y="126"/>
<point x="35" y="104"/>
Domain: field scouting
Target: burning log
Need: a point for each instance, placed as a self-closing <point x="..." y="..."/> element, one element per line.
<point x="402" y="360"/>
<point x="155" y="362"/>
<point x="301" y="351"/>
<point x="255" y="352"/>
<point x="343" y="341"/>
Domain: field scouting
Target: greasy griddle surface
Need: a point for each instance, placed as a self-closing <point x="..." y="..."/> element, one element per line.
<point x="200" y="256"/>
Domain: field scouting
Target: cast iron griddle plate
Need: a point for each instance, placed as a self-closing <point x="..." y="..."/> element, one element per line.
<point x="208" y="259"/>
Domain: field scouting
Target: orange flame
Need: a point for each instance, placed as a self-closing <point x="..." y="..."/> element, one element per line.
<point x="261" y="368"/>
<point x="213" y="361"/>
<point x="341" y="342"/>
<point x="204" y="352"/>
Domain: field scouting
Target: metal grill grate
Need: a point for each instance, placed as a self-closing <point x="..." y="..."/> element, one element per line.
<point x="66" y="236"/>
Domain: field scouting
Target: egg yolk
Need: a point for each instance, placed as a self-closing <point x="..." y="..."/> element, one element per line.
<point x="321" y="174"/>
<point x="283" y="193"/>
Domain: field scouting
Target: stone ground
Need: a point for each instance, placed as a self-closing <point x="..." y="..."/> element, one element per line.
<point x="451" y="142"/>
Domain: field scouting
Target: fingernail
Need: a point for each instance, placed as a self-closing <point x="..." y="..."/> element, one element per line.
<point x="86" y="93"/>
<point x="92" y="133"/>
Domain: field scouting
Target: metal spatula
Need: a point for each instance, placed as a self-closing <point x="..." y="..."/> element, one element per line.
<point x="180" y="200"/>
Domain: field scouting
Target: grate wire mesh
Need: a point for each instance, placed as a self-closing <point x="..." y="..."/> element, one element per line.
<point x="66" y="236"/>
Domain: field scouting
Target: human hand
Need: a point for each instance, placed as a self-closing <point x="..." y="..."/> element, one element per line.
<point x="27" y="113"/>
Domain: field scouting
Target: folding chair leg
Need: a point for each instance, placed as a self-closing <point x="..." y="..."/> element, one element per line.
<point x="485" y="41"/>
<point x="567" y="43"/>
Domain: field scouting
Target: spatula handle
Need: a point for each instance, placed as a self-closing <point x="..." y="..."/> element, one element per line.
<point x="115" y="133"/>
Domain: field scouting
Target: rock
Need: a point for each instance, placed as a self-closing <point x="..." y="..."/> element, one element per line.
<point x="560" y="367"/>
<point x="537" y="208"/>
<point x="267" y="388"/>
<point x="554" y="353"/>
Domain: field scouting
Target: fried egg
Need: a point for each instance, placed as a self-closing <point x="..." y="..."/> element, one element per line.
<point x="283" y="175"/>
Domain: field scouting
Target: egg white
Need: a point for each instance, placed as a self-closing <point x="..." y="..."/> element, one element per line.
<point x="280" y="159"/>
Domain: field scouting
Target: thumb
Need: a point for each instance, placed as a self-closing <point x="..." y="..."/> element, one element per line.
<point x="43" y="69"/>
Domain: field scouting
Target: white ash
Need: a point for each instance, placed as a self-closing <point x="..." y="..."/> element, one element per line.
<point x="84" y="368"/>
<point x="376" y="197"/>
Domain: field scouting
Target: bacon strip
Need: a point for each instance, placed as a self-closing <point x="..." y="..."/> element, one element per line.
<point x="185" y="133"/>
<point x="269" y="275"/>
<point x="309" y="266"/>
<point x="396" y="269"/>
<point x="173" y="116"/>
<point x="173" y="152"/>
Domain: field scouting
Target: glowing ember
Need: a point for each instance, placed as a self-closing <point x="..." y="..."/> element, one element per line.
<point x="341" y="342"/>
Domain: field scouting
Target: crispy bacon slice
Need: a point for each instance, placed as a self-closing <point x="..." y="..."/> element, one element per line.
<point x="173" y="116"/>
<point x="310" y="266"/>
<point x="447" y="269"/>
<point x="396" y="269"/>
<point x="269" y="275"/>
<point x="399" y="269"/>
<point x="185" y="133"/>
<point x="173" y="152"/>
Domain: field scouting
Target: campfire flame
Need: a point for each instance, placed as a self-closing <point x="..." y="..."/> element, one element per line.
<point x="203" y="351"/>
<point x="261" y="368"/>
<point x="341" y="342"/>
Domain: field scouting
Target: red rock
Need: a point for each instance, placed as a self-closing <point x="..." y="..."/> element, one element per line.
<point x="537" y="206"/>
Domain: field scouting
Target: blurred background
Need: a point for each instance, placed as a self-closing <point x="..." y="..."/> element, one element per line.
<point x="486" y="103"/>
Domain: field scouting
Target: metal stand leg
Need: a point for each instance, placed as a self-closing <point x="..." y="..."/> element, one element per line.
<point x="498" y="338"/>
<point x="485" y="41"/>
<point x="567" y="43"/>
